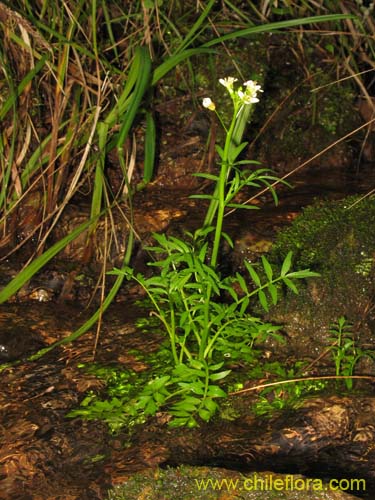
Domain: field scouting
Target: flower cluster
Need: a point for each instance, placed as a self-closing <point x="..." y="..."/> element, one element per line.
<point x="243" y="95"/>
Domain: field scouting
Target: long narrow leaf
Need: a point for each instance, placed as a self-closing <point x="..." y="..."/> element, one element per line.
<point x="277" y="26"/>
<point x="140" y="88"/>
<point x="150" y="141"/>
<point x="286" y="264"/>
<point x="172" y="62"/>
<point x="24" y="82"/>
<point x="27" y="273"/>
<point x="107" y="301"/>
<point x="88" y="324"/>
<point x="196" y="26"/>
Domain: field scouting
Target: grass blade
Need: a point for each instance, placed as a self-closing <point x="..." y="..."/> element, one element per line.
<point x="277" y="26"/>
<point x="27" y="273"/>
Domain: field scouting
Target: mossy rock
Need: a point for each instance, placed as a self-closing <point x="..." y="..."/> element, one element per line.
<point x="186" y="483"/>
<point x="337" y="240"/>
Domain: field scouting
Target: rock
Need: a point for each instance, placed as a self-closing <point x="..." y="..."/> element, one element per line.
<point x="337" y="240"/>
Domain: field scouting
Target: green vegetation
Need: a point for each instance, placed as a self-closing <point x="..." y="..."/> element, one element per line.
<point x="345" y="352"/>
<point x="329" y="225"/>
<point x="77" y="81"/>
<point x="207" y="321"/>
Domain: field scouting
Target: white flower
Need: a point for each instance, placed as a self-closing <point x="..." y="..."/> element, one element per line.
<point x="250" y="94"/>
<point x="228" y="83"/>
<point x="207" y="103"/>
<point x="252" y="86"/>
<point x="247" y="98"/>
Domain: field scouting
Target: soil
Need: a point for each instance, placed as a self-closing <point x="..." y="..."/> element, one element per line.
<point x="45" y="455"/>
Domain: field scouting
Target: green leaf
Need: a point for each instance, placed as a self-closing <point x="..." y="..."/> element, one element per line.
<point x="244" y="305"/>
<point x="159" y="398"/>
<point x="172" y="62"/>
<point x="10" y="102"/>
<point x="143" y="59"/>
<point x="220" y="151"/>
<point x="202" y="197"/>
<point x="273" y="293"/>
<point x="180" y="413"/>
<point x="191" y="400"/>
<point x="242" y="283"/>
<point x="253" y="274"/>
<point x="267" y="268"/>
<point x="289" y="283"/>
<point x="235" y="151"/>
<point x="151" y="408"/>
<point x="180" y="422"/>
<point x="28" y="272"/>
<point x="242" y="206"/>
<point x="220" y="375"/>
<point x="184" y="408"/>
<point x="150" y="145"/>
<point x="232" y="293"/>
<point x="210" y="405"/>
<point x="217" y="366"/>
<point x="205" y="414"/>
<point x="286" y="264"/>
<point x="197" y="387"/>
<point x="216" y="392"/>
<point x="158" y="383"/>
<point x="196" y="364"/>
<point x="204" y="175"/>
<point x="263" y="300"/>
<point x="262" y="28"/>
<point x="228" y="239"/>
<point x="305" y="273"/>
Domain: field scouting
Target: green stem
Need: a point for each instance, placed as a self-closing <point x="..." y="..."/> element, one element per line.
<point x="217" y="207"/>
<point x="219" y="200"/>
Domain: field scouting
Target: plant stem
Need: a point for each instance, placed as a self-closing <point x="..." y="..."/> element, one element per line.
<point x="217" y="207"/>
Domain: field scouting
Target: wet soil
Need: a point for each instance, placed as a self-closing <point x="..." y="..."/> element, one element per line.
<point x="45" y="455"/>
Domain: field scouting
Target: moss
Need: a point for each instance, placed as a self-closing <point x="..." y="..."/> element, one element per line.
<point x="336" y="239"/>
<point x="182" y="483"/>
<point x="328" y="230"/>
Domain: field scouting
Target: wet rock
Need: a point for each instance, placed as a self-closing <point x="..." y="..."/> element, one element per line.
<point x="337" y="240"/>
<point x="16" y="343"/>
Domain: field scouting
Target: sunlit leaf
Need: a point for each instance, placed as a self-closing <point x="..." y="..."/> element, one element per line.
<point x="216" y="392"/>
<point x="220" y="375"/>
